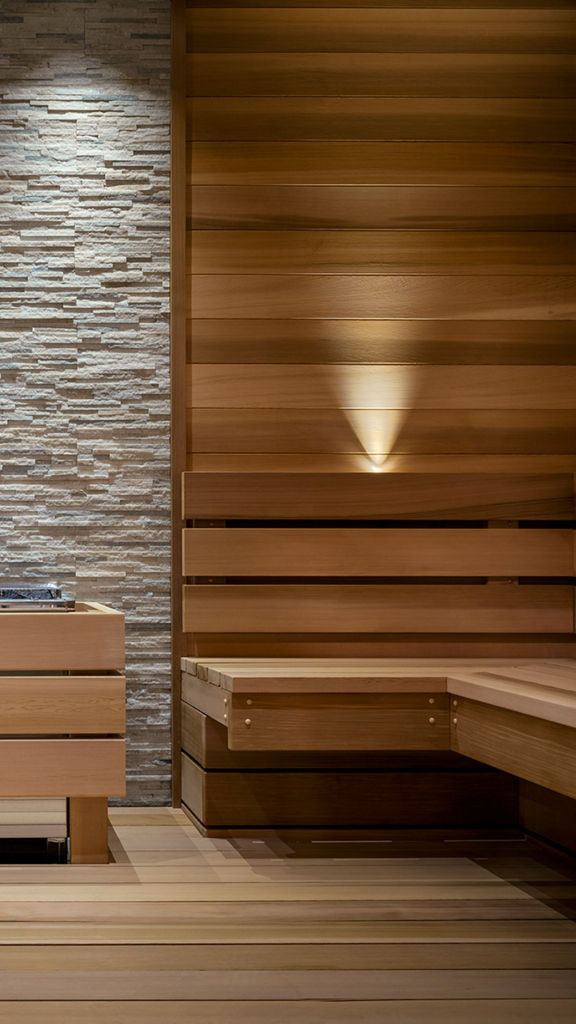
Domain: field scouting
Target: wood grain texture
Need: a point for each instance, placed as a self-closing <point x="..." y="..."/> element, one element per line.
<point x="378" y="609"/>
<point x="536" y="750"/>
<point x="381" y="74"/>
<point x="372" y="30"/>
<point x="88" y="824"/>
<point x="383" y="433"/>
<point x="399" y="206"/>
<point x="511" y="297"/>
<point x="547" y="814"/>
<point x="430" y="342"/>
<point x="379" y="119"/>
<point x="178" y="157"/>
<point x="91" y="637"/>
<point x="62" y="767"/>
<point x="292" y="799"/>
<point x="381" y="163"/>
<point x="376" y="496"/>
<point x="378" y="386"/>
<point x="380" y="252"/>
<point x="377" y="552"/>
<point x="59" y="704"/>
<point x="359" y="464"/>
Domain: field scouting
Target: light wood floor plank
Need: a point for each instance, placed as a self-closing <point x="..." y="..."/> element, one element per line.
<point x="506" y="1011"/>
<point x="382" y="956"/>
<point x="312" y="932"/>
<point x="289" y="985"/>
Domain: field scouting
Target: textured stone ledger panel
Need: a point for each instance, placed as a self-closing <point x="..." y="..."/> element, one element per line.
<point x="84" y="385"/>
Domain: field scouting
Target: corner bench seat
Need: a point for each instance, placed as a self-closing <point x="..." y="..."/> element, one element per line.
<point x="513" y="714"/>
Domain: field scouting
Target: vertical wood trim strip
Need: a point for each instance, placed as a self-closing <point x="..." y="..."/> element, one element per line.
<point x="177" y="356"/>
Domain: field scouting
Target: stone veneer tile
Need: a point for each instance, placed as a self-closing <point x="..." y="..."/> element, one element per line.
<point x="84" y="297"/>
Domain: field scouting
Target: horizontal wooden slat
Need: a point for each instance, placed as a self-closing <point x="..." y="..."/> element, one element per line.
<point x="539" y="751"/>
<point x="365" y="728"/>
<point x="380" y="118"/>
<point x="382" y="432"/>
<point x="418" y="4"/>
<point x="543" y="700"/>
<point x="92" y="637"/>
<point x="494" y="607"/>
<point x="380" y="252"/>
<point x="376" y="496"/>
<point x="361" y="29"/>
<point x="359" y="464"/>
<point x="529" y="342"/>
<point x="373" y="206"/>
<point x="380" y="74"/>
<point x="349" y="552"/>
<point x="70" y="767"/>
<point x="380" y="163"/>
<point x="339" y="386"/>
<point x="322" y="295"/>
<point x="337" y="799"/>
<point x="60" y="704"/>
<point x="206" y="742"/>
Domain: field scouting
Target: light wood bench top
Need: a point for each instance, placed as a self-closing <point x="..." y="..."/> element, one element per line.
<point x="542" y="689"/>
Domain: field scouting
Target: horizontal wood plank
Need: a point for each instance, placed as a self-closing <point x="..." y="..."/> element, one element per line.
<point x="91" y="637"/>
<point x="461" y="208"/>
<point x="381" y="163"/>
<point x="381" y="74"/>
<point x="62" y="767"/>
<point x="320" y="295"/>
<point x="358" y="464"/>
<point x="477" y="342"/>
<point x="365" y="552"/>
<point x="452" y="119"/>
<point x="378" y="609"/>
<point x="376" y="496"/>
<point x="383" y="433"/>
<point x="538" y="751"/>
<point x="276" y="799"/>
<point x="380" y="252"/>
<point x="370" y="30"/>
<point x="369" y="386"/>
<point x="60" y="704"/>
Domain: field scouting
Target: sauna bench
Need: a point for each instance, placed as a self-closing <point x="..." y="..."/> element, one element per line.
<point x="62" y="716"/>
<point x="517" y="715"/>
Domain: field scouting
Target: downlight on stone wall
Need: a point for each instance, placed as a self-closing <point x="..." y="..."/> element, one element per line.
<point x="84" y="350"/>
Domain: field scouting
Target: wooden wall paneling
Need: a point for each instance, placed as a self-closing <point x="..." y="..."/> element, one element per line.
<point x="466" y="296"/>
<point x="410" y="608"/>
<point x="436" y="119"/>
<point x="538" y="751"/>
<point x="377" y="496"/>
<point x="177" y="352"/>
<point x="497" y="75"/>
<point x="369" y="30"/>
<point x="544" y="165"/>
<point x="429" y="342"/>
<point x="383" y="432"/>
<point x="381" y="252"/>
<point x="377" y="552"/>
<point x="382" y="199"/>
<point x="378" y="386"/>
<point x="399" y="206"/>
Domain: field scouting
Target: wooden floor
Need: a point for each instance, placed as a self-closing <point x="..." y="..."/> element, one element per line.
<point x="261" y="931"/>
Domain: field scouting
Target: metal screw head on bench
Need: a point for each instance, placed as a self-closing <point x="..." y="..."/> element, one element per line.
<point x="431" y="700"/>
<point x="249" y="701"/>
<point x="431" y="720"/>
<point x="454" y="703"/>
<point x="455" y="721"/>
<point x="248" y="722"/>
